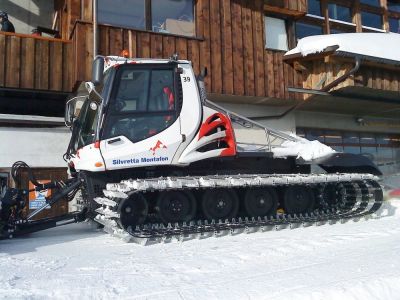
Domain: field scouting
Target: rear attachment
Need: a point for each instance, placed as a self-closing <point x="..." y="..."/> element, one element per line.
<point x="334" y="197"/>
<point x="13" y="218"/>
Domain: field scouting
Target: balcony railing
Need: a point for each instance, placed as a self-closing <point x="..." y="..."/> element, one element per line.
<point x="35" y="63"/>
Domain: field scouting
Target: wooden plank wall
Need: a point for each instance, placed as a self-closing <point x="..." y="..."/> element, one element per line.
<point x="291" y="7"/>
<point x="230" y="43"/>
<point x="69" y="12"/>
<point x="320" y="73"/>
<point x="35" y="63"/>
<point x="297" y="5"/>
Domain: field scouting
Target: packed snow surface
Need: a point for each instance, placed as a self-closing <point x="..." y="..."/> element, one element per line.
<point x="379" y="45"/>
<point x="354" y="260"/>
<point x="302" y="148"/>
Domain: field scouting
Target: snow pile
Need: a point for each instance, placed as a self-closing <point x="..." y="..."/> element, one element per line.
<point x="380" y="45"/>
<point x="305" y="149"/>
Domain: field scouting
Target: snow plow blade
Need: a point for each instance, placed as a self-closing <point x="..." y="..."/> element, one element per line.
<point x="347" y="163"/>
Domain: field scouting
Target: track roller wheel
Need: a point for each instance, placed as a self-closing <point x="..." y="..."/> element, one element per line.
<point x="333" y="196"/>
<point x="220" y="204"/>
<point x="298" y="199"/>
<point x="261" y="202"/>
<point x="176" y="206"/>
<point x="345" y="196"/>
<point x="133" y="211"/>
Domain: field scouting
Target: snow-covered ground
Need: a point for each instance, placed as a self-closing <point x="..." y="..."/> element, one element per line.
<point x="354" y="260"/>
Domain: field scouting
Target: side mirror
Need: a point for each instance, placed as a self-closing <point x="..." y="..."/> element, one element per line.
<point x="72" y="109"/>
<point x="89" y="86"/>
<point x="97" y="70"/>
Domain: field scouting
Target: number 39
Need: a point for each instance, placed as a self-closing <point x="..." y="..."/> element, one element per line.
<point x="186" y="79"/>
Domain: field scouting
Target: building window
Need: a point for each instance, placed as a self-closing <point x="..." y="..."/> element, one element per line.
<point x="393" y="6"/>
<point x="394" y="25"/>
<point x="371" y="2"/>
<point x="120" y="13"/>
<point x="168" y="16"/>
<point x="371" y="20"/>
<point x="314" y="7"/>
<point x="338" y="12"/>
<point x="275" y="34"/>
<point x="303" y="30"/>
<point x="173" y="16"/>
<point x="382" y="148"/>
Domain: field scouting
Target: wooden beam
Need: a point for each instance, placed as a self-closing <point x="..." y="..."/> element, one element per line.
<point x="325" y="13"/>
<point x="357" y="16"/>
<point x="284" y="11"/>
<point x="385" y="15"/>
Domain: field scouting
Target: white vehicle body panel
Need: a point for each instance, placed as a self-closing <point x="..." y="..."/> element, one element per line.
<point x="191" y="113"/>
<point x="89" y="158"/>
<point x="156" y="150"/>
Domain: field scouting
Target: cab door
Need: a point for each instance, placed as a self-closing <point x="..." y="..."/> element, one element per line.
<point x="141" y="125"/>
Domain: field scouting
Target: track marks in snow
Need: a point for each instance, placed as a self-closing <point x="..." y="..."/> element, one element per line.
<point x="337" y="261"/>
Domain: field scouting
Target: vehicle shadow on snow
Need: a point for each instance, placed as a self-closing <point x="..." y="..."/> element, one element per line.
<point x="388" y="209"/>
<point x="64" y="234"/>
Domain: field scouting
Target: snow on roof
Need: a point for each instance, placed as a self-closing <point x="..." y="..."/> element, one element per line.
<point x="378" y="45"/>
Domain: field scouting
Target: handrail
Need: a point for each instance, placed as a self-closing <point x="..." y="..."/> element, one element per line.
<point x="268" y="131"/>
<point x="23" y="35"/>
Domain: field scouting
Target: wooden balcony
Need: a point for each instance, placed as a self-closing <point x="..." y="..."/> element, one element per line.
<point x="336" y="83"/>
<point x="35" y="63"/>
<point x="229" y="41"/>
<point x="371" y="79"/>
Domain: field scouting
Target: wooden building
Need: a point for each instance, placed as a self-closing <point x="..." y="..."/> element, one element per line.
<point x="241" y="42"/>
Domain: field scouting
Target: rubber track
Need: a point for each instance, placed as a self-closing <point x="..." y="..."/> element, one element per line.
<point x="365" y="198"/>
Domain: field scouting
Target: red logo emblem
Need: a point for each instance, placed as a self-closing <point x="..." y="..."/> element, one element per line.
<point x="158" y="145"/>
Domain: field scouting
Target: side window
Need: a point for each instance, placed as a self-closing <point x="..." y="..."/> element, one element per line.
<point x="275" y="34"/>
<point x="88" y="119"/>
<point x="144" y="104"/>
<point x="161" y="91"/>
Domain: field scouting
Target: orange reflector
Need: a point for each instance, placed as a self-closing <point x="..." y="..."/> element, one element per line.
<point x="98" y="164"/>
<point x="97" y="144"/>
<point x="125" y="53"/>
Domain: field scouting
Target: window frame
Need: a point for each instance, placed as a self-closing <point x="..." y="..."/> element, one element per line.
<point x="148" y="21"/>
